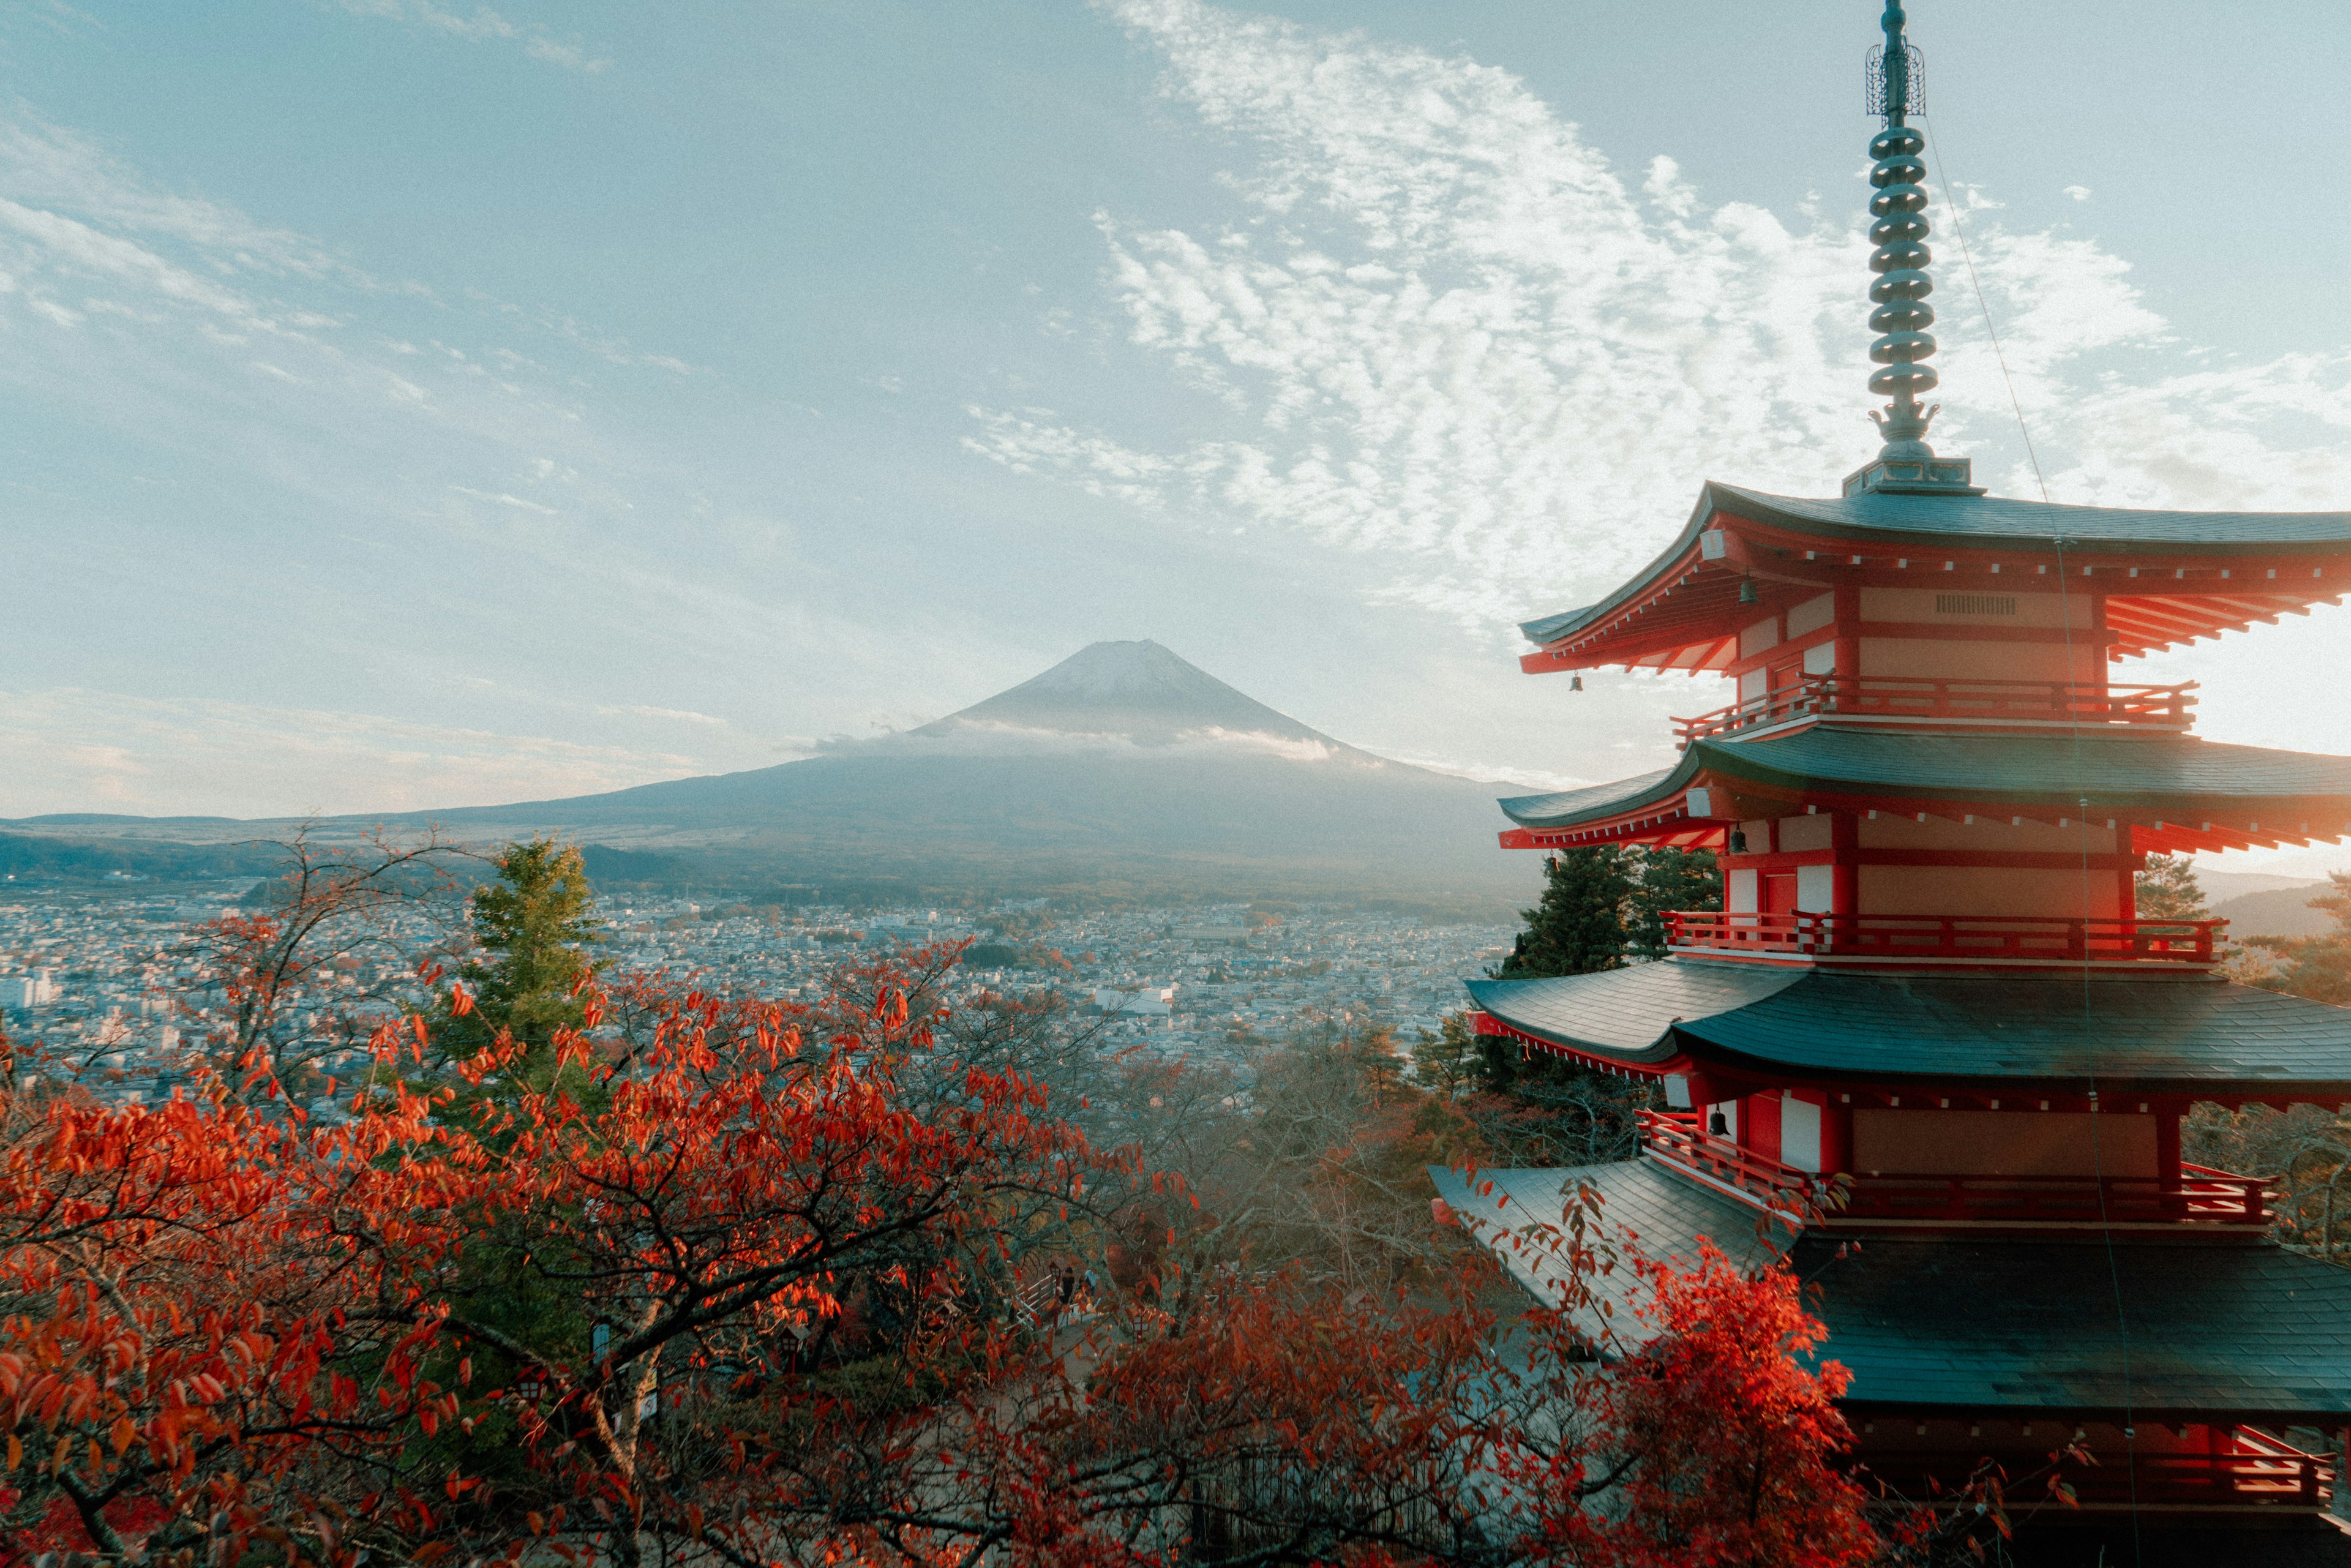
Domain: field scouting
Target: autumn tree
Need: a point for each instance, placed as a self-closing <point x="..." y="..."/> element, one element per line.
<point x="790" y="1257"/>
<point x="1720" y="1441"/>
<point x="319" y="957"/>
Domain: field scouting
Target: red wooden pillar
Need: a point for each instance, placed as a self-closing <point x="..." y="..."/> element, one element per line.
<point x="2127" y="870"/>
<point x="1758" y="1124"/>
<point x="1848" y="618"/>
<point x="1836" y="1135"/>
<point x="1845" y="876"/>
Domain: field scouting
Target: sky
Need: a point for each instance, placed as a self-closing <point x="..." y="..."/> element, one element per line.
<point x="414" y="404"/>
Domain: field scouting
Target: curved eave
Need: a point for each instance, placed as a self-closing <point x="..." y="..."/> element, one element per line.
<point x="1994" y="521"/>
<point x="2062" y="1034"/>
<point x="2176" y="792"/>
<point x="1660" y="790"/>
<point x="1682" y="611"/>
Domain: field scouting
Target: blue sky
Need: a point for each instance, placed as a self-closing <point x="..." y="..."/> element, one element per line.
<point x="415" y="404"/>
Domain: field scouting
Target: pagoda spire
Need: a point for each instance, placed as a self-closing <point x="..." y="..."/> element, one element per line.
<point x="1899" y="205"/>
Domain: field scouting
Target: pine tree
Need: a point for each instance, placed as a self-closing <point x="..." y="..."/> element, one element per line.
<point x="2167" y="890"/>
<point x="1579" y="926"/>
<point x="1668" y="879"/>
<point x="535" y="925"/>
<point x="1447" y="1059"/>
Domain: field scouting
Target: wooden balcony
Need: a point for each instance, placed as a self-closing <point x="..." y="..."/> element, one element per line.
<point x="2250" y="1470"/>
<point x="2200" y="1197"/>
<point x="1982" y="938"/>
<point x="1945" y="702"/>
<point x="1678" y="1138"/>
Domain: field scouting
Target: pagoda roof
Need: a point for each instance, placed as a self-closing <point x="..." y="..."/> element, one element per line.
<point x="1984" y="1324"/>
<point x="2247" y="793"/>
<point x="2063" y="1031"/>
<point x="1878" y="529"/>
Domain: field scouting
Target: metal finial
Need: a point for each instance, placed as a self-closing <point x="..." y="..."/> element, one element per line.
<point x="1899" y="205"/>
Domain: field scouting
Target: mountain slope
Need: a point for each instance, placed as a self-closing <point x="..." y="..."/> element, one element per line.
<point x="1124" y="769"/>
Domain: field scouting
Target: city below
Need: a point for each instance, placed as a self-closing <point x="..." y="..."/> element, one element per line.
<point x="112" y="982"/>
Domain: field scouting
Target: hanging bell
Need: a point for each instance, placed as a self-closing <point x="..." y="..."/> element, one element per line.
<point x="1746" y="594"/>
<point x="1575" y="683"/>
<point x="1738" y="842"/>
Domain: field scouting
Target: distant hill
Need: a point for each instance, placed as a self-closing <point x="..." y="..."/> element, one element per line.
<point x="1123" y="771"/>
<point x="2278" y="912"/>
<point x="2221" y="886"/>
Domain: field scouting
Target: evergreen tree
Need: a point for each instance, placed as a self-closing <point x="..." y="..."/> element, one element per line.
<point x="1448" y="1059"/>
<point x="2167" y="890"/>
<point x="535" y="925"/>
<point x="1668" y="880"/>
<point x="1577" y="929"/>
<point x="1579" y="926"/>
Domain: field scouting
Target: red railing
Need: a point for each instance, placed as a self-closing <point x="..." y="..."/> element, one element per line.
<point x="1679" y="1137"/>
<point x="2205" y="1196"/>
<point x="2201" y="1196"/>
<point x="2252" y="1469"/>
<point x="1992" y="938"/>
<point x="2006" y="702"/>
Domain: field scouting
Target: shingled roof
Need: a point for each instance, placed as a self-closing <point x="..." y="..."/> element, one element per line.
<point x="2154" y="1034"/>
<point x="2202" y="1332"/>
<point x="1922" y="525"/>
<point x="2144" y="777"/>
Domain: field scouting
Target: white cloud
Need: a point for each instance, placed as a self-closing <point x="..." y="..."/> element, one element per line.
<point x="1452" y="339"/>
<point x="47" y="166"/>
<point x="481" y="26"/>
<point x="74" y="750"/>
<point x="503" y="499"/>
<point x="2079" y="193"/>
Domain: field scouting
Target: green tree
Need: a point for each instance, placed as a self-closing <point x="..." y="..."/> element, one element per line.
<point x="2166" y="889"/>
<point x="1665" y="880"/>
<point x="1445" y="1060"/>
<point x="1579" y="926"/>
<point x="535" y="926"/>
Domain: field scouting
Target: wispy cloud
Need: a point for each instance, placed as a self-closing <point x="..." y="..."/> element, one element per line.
<point x="481" y="24"/>
<point x="1452" y="338"/>
<point x="74" y="750"/>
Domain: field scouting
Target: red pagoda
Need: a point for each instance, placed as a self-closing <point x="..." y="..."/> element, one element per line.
<point x="1929" y="1016"/>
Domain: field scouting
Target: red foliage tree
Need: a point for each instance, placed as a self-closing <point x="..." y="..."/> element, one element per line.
<point x="763" y="1291"/>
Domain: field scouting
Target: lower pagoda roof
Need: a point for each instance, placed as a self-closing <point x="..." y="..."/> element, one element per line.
<point x="2193" y="1034"/>
<point x="2203" y="1332"/>
<point x="2245" y="793"/>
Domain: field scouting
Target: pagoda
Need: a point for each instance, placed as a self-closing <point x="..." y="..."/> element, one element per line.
<point x="1929" y="1016"/>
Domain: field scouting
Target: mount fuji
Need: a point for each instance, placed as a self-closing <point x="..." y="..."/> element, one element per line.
<point x="1122" y="771"/>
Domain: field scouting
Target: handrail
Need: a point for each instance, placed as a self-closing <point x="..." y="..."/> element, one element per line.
<point x="2254" y="1469"/>
<point x="1923" y="698"/>
<point x="1769" y="1183"/>
<point x="2200" y="1196"/>
<point x="1982" y="937"/>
